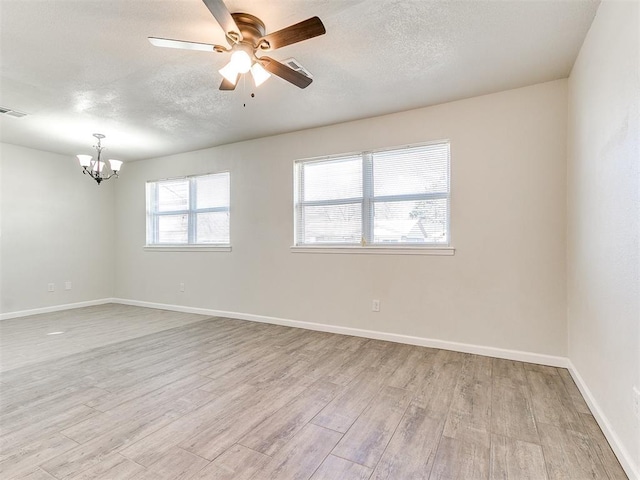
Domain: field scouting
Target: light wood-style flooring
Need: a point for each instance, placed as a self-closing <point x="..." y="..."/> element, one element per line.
<point x="214" y="398"/>
<point x="37" y="338"/>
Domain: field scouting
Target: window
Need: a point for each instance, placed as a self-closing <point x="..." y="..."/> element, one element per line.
<point x="189" y="211"/>
<point x="388" y="197"/>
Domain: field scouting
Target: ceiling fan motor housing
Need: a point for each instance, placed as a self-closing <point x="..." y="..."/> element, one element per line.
<point x="251" y="28"/>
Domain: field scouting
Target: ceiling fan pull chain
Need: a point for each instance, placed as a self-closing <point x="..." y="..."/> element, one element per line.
<point x="244" y="89"/>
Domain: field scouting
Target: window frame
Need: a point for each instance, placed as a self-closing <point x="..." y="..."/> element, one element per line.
<point x="368" y="200"/>
<point x="153" y="215"/>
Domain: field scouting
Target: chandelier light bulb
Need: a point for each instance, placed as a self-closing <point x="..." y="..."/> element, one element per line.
<point x="97" y="166"/>
<point x="85" y="160"/>
<point x="115" y="165"/>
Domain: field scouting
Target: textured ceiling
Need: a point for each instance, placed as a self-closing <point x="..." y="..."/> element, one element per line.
<point x="79" y="66"/>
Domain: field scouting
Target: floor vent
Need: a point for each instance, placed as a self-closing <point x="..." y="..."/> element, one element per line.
<point x="11" y="113"/>
<point x="295" y="64"/>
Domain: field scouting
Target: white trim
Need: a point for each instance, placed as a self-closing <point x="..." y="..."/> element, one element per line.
<point x="624" y="456"/>
<point x="187" y="248"/>
<point x="375" y="250"/>
<point x="55" y="308"/>
<point x="530" y="357"/>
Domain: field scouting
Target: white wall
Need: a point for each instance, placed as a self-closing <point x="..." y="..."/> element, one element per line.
<point x="505" y="286"/>
<point x="56" y="225"/>
<point x="603" y="217"/>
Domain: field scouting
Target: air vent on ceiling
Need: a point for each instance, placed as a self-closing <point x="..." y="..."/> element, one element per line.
<point x="295" y="64"/>
<point x="11" y="113"/>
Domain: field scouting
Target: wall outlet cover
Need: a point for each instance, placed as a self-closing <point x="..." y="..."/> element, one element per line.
<point x="375" y="305"/>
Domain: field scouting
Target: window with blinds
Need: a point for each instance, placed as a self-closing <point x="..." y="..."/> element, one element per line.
<point x="387" y="197"/>
<point x="189" y="211"/>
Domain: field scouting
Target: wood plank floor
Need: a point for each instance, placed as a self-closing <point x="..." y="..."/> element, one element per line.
<point x="214" y="398"/>
<point x="37" y="338"/>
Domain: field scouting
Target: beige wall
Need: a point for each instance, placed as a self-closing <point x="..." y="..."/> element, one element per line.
<point x="505" y="286"/>
<point x="603" y="217"/>
<point x="56" y="225"/>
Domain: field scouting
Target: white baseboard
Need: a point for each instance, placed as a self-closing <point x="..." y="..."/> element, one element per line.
<point x="55" y="308"/>
<point x="530" y="357"/>
<point x="624" y="456"/>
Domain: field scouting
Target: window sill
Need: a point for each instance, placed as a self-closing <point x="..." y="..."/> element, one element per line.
<point x="187" y="248"/>
<point x="375" y="250"/>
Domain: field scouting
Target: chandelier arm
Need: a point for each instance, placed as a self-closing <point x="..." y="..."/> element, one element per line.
<point x="99" y="177"/>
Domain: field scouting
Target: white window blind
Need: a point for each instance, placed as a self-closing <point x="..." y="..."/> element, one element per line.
<point x="387" y="197"/>
<point x="189" y="211"/>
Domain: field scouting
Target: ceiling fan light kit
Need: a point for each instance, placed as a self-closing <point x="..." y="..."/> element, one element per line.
<point x="259" y="74"/>
<point x="246" y="35"/>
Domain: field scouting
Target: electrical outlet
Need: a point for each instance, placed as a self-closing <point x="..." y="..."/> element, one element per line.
<point x="636" y="402"/>
<point x="51" y="287"/>
<point x="375" y="305"/>
<point x="67" y="285"/>
<point x="182" y="286"/>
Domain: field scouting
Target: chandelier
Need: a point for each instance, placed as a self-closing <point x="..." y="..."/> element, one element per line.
<point x="95" y="168"/>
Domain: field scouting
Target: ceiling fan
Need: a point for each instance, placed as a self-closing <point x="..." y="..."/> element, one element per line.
<point x="246" y="35"/>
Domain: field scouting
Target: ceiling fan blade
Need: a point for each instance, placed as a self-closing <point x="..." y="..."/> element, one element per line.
<point x="169" y="43"/>
<point x="220" y="12"/>
<point x="284" y="72"/>
<point x="312" y="27"/>
<point x="227" y="85"/>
